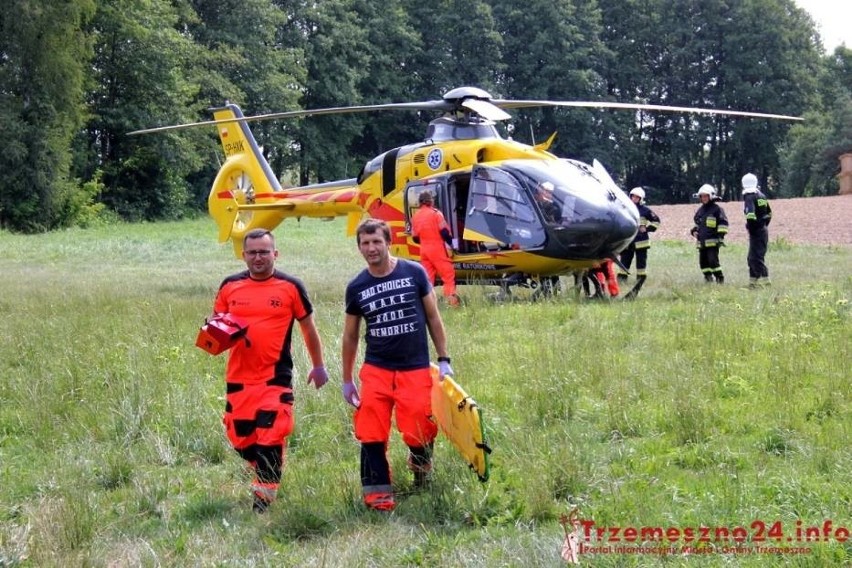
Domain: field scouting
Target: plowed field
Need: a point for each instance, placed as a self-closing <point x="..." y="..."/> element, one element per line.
<point x="811" y="220"/>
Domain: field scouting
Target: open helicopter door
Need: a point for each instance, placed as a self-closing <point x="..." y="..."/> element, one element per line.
<point x="411" y="198"/>
<point x="500" y="213"/>
<point x="444" y="190"/>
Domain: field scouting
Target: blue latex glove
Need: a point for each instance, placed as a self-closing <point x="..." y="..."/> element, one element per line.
<point x="445" y="369"/>
<point x="318" y="376"/>
<point x="350" y="394"/>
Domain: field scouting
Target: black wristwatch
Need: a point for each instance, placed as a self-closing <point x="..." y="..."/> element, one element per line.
<point x="444" y="360"/>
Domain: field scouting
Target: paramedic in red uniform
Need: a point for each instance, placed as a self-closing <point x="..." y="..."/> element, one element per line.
<point x="431" y="232"/>
<point x="259" y="388"/>
<point x="606" y="277"/>
<point x="395" y="299"/>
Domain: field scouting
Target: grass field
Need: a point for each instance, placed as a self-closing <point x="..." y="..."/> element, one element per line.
<point x="694" y="406"/>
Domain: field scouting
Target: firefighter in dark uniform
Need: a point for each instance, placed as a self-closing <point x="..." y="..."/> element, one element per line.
<point x="758" y="214"/>
<point x="648" y="223"/>
<point x="711" y="226"/>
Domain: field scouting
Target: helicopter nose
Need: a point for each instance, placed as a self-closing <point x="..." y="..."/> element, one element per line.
<point x="597" y="230"/>
<point x="620" y="231"/>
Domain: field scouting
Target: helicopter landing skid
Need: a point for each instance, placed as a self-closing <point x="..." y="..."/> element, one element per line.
<point x="542" y="286"/>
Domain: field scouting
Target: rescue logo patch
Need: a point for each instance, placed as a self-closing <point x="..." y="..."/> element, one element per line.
<point x="435" y="158"/>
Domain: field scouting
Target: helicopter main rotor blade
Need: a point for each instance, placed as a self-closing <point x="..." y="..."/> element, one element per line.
<point x="502" y="103"/>
<point x="424" y="105"/>
<point x="486" y="110"/>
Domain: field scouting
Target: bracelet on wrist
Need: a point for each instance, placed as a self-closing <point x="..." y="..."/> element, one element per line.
<point x="444" y="360"/>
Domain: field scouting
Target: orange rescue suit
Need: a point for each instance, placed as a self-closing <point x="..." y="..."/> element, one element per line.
<point x="259" y="392"/>
<point x="429" y="226"/>
<point x="605" y="274"/>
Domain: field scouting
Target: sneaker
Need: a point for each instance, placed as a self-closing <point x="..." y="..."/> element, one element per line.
<point x="379" y="501"/>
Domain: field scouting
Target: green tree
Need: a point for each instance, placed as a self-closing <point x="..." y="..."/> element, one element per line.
<point x="810" y="156"/>
<point x="757" y="55"/>
<point x="461" y="46"/>
<point x="393" y="44"/>
<point x="553" y="51"/>
<point x="336" y="57"/>
<point x="259" y="70"/>
<point x="142" y="73"/>
<point x="43" y="57"/>
<point x="632" y="72"/>
<point x="769" y="62"/>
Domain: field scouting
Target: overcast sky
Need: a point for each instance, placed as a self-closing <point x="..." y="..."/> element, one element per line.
<point x="833" y="19"/>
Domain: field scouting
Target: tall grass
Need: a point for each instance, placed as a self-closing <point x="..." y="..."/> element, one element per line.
<point x="693" y="406"/>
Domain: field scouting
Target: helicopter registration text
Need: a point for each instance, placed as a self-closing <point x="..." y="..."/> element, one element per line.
<point x="233" y="147"/>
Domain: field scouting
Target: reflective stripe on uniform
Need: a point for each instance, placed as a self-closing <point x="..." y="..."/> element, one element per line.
<point x="369" y="489"/>
<point x="266" y="491"/>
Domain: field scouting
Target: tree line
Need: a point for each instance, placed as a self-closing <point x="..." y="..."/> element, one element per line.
<point x="77" y="75"/>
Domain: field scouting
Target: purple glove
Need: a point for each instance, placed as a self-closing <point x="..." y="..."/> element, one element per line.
<point x="445" y="369"/>
<point x="350" y="394"/>
<point x="318" y="376"/>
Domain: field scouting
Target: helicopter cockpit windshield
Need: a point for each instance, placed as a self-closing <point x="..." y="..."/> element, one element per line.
<point x="557" y="204"/>
<point x="586" y="212"/>
<point x="568" y="192"/>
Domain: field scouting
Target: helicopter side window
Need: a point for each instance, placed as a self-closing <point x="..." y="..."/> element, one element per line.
<point x="412" y="199"/>
<point x="503" y="198"/>
<point x="500" y="208"/>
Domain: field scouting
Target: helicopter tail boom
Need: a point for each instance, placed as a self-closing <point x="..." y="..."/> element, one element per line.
<point x="246" y="194"/>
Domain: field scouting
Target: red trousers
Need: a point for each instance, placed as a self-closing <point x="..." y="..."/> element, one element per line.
<point x="258" y="418"/>
<point x="605" y="274"/>
<point x="383" y="392"/>
<point x="435" y="260"/>
<point x="408" y="393"/>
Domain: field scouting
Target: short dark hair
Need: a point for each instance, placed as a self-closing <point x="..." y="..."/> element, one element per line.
<point x="426" y="197"/>
<point x="258" y="234"/>
<point x="370" y="226"/>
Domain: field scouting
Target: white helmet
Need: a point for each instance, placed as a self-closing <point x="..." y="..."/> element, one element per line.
<point x="749" y="183"/>
<point x="706" y="189"/>
<point x="638" y="191"/>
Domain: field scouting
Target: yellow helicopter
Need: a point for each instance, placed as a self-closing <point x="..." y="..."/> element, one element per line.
<point x="518" y="214"/>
